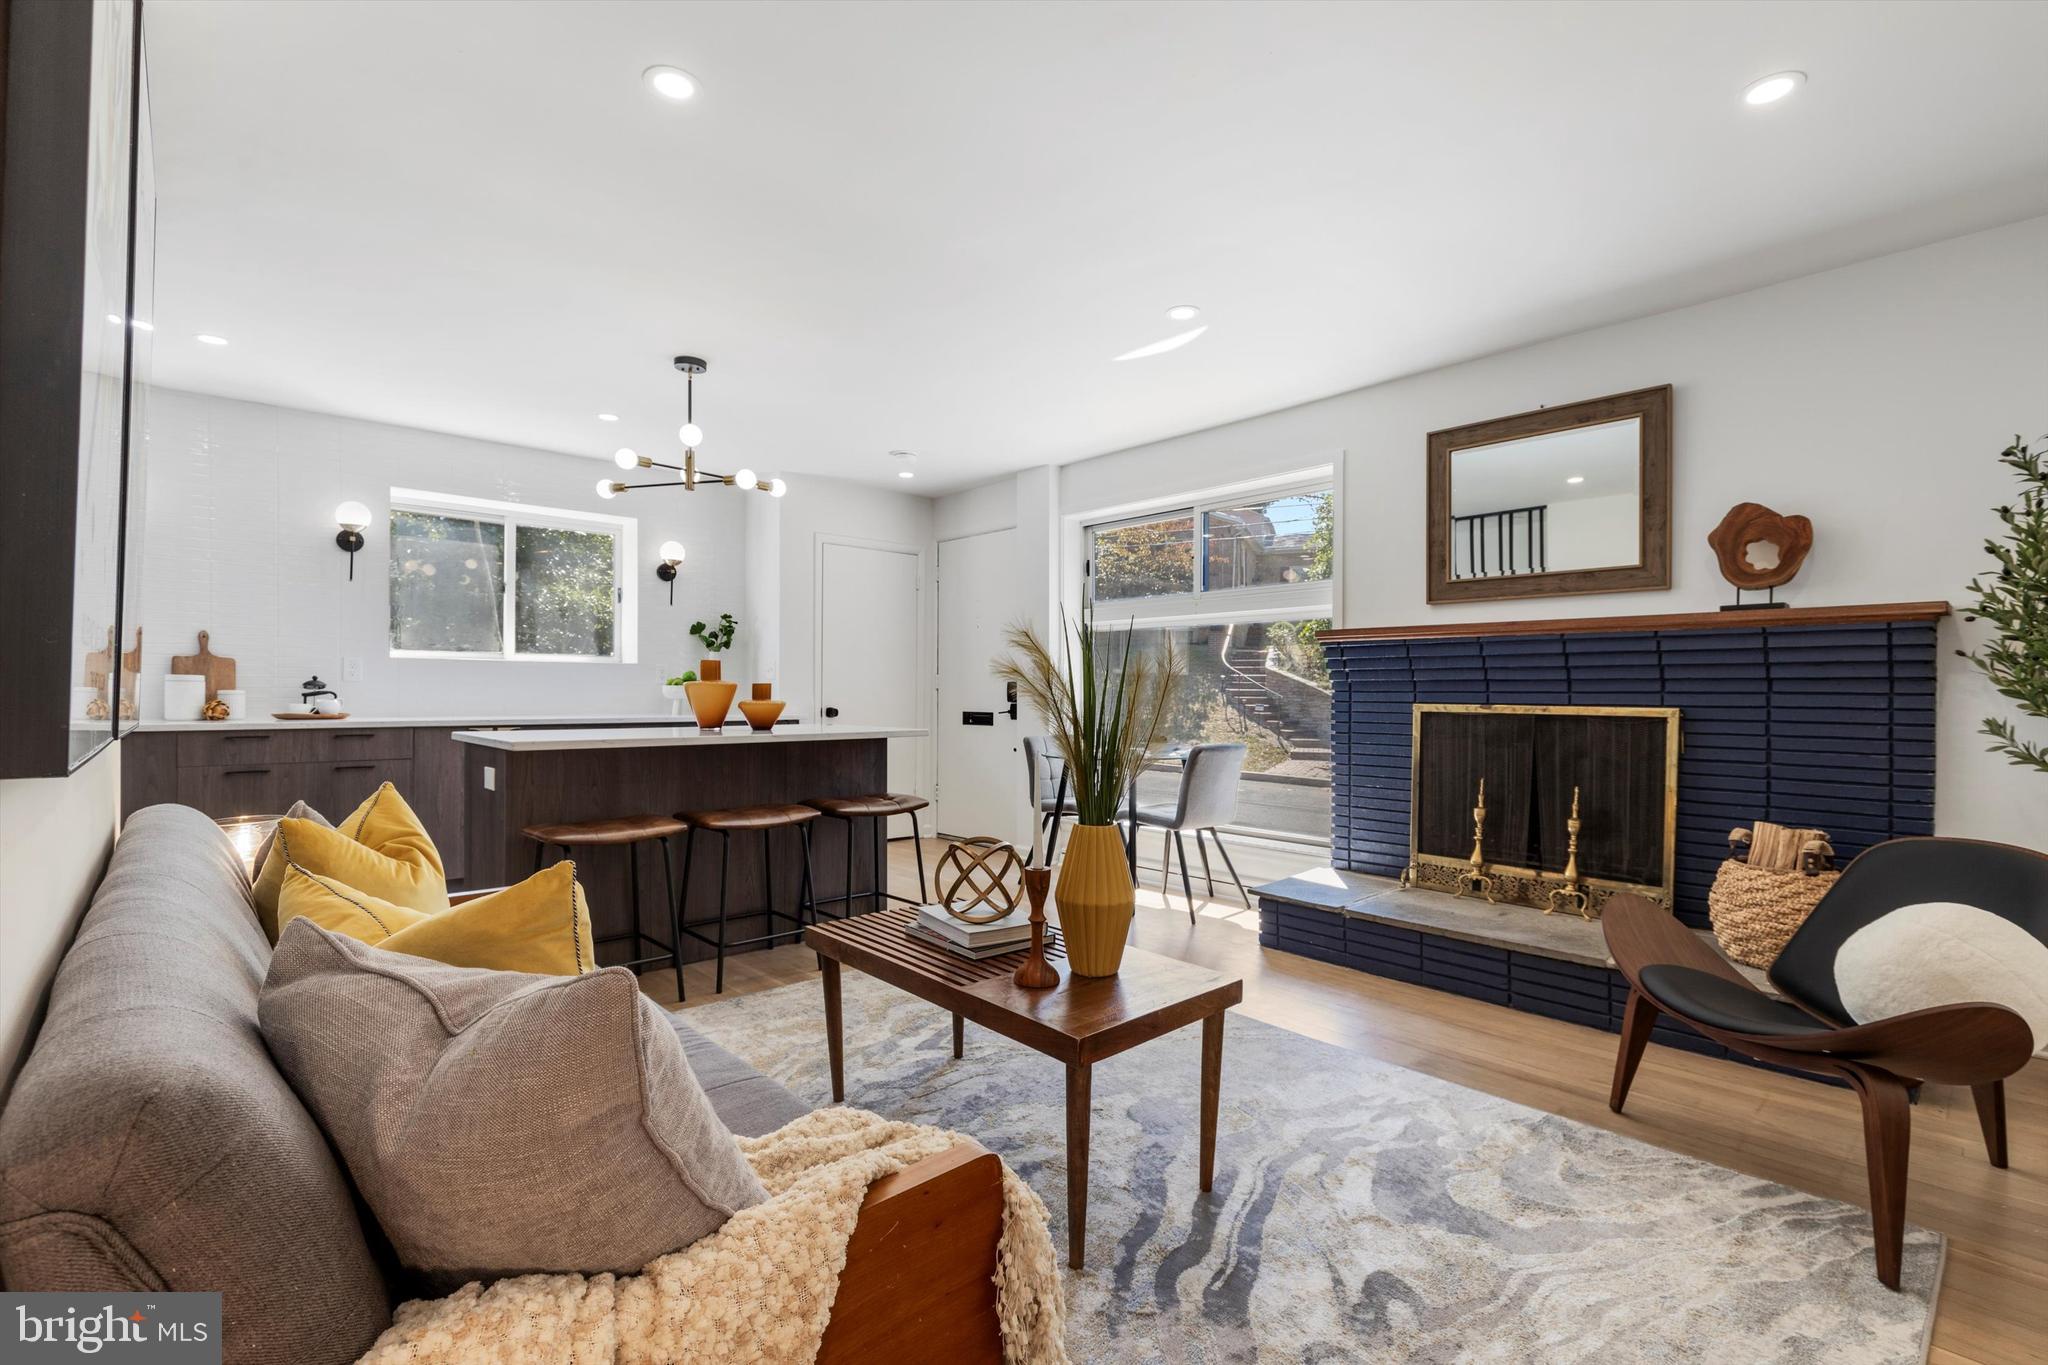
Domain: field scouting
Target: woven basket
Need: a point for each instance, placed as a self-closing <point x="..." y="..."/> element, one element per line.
<point x="1755" y="911"/>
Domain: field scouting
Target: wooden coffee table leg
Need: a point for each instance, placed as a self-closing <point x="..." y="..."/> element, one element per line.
<point x="835" y="1042"/>
<point x="1212" y="1092"/>
<point x="1079" y="1078"/>
<point x="959" y="1035"/>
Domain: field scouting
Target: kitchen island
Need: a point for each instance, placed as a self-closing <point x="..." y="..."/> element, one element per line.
<point x="515" y="778"/>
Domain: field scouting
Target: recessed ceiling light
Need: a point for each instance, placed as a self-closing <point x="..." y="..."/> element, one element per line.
<point x="906" y="473"/>
<point x="1183" y="312"/>
<point x="1576" y="478"/>
<point x="1773" y="88"/>
<point x="607" y="417"/>
<point x="210" y="339"/>
<point x="1172" y="343"/>
<point x="670" y="82"/>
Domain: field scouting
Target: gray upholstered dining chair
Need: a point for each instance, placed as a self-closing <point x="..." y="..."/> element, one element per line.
<point x="1055" y="800"/>
<point x="1208" y="798"/>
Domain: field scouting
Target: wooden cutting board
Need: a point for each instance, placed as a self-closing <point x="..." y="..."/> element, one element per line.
<point x="218" y="671"/>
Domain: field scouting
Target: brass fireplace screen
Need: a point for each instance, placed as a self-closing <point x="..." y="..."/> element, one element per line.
<point x="1620" y="761"/>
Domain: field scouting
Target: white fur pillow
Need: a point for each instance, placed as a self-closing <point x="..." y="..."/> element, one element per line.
<point x="1943" y="953"/>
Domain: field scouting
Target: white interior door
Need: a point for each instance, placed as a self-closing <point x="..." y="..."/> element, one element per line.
<point x="981" y="766"/>
<point x="870" y="655"/>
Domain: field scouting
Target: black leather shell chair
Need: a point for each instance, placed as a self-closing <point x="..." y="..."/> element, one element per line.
<point x="1670" y="969"/>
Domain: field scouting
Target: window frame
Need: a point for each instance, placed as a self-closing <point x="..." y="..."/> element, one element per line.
<point x="512" y="515"/>
<point x="1220" y="606"/>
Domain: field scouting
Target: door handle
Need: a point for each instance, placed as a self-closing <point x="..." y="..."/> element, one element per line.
<point x="1010" y="696"/>
<point x="353" y="767"/>
<point x="245" y="772"/>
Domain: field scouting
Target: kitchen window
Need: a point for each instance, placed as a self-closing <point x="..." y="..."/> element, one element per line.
<point x="473" y="579"/>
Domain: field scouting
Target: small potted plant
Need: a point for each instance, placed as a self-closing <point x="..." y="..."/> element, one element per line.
<point x="675" y="691"/>
<point x="711" y="696"/>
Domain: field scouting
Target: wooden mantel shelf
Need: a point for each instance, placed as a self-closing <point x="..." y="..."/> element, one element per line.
<point x="1690" y="620"/>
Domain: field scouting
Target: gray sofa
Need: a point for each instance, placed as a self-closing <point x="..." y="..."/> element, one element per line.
<point x="150" y="1142"/>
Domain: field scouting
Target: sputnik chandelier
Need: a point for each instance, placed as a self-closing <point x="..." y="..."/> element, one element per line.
<point x="691" y="435"/>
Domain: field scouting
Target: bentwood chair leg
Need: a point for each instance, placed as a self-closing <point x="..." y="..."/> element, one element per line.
<point x="675" y="933"/>
<point x="1217" y="835"/>
<point x="1991" y="1118"/>
<point x="724" y="865"/>
<point x="1887" y="1139"/>
<point x="1187" y="887"/>
<point x="917" y="842"/>
<point x="1636" y="1018"/>
<point x="1207" y="875"/>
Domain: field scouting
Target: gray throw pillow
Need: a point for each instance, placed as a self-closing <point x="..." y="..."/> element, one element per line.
<point x="499" y="1123"/>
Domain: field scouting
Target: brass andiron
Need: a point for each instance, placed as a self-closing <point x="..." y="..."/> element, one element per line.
<point x="1035" y="973"/>
<point x="1570" y="894"/>
<point x="1475" y="878"/>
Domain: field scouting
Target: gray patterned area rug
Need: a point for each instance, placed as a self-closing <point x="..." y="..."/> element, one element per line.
<point x="1365" y="1212"/>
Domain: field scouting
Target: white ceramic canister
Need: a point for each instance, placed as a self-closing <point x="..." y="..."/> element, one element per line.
<point x="237" y="702"/>
<point x="184" y="696"/>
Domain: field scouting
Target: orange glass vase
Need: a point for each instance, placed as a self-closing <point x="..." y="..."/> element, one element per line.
<point x="711" y="702"/>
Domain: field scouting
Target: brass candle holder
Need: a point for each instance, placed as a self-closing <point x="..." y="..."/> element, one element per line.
<point x="1035" y="973"/>
<point x="1570" y="893"/>
<point x="1475" y="877"/>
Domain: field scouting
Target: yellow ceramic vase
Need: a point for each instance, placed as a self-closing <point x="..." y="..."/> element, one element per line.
<point x="1095" y="899"/>
<point x="711" y="702"/>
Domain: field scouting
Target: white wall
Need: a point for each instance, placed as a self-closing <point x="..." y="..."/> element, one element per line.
<point x="241" y="543"/>
<point x="1592" y="533"/>
<point x="55" y="836"/>
<point x="1872" y="399"/>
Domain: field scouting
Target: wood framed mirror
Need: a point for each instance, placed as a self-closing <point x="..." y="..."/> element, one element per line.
<point x="1562" y="500"/>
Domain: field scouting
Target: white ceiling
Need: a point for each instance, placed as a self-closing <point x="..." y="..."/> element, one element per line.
<point x="930" y="226"/>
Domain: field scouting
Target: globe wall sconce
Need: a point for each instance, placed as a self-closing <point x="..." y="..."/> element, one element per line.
<point x="671" y="561"/>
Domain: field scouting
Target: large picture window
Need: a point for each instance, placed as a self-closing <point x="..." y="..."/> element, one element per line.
<point x="1240" y="585"/>
<point x="480" y="580"/>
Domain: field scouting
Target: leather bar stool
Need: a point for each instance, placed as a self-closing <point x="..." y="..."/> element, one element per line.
<point x="877" y="808"/>
<point x="739" y="820"/>
<point x="627" y="832"/>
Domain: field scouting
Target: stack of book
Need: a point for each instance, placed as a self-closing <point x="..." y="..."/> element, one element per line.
<point x="934" y="925"/>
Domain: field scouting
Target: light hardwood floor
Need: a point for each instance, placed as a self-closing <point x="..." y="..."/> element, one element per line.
<point x="1994" y="1300"/>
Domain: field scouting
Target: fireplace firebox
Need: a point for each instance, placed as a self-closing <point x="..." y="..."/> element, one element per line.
<point x="1613" y="768"/>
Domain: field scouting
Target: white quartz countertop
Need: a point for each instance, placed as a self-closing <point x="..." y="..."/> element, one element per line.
<point x="407" y="722"/>
<point x="670" y="736"/>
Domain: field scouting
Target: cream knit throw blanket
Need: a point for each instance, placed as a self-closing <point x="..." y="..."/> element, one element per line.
<point x="760" y="1289"/>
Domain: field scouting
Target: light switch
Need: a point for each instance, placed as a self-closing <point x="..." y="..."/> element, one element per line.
<point x="490" y="778"/>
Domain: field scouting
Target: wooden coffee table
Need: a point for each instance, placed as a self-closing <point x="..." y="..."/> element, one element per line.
<point x="1079" y="1022"/>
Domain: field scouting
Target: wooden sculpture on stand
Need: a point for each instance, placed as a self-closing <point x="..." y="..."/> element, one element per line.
<point x="1475" y="877"/>
<point x="1570" y="894"/>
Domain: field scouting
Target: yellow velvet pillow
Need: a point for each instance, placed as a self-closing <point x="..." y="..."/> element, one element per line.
<point x="541" y="925"/>
<point x="381" y="848"/>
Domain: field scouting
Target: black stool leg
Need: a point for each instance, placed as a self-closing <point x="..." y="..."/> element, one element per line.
<point x="809" y="907"/>
<point x="633" y="894"/>
<point x="846" y="906"/>
<point x="881" y="862"/>
<point x="917" y="842"/>
<point x="682" y="904"/>
<point x="724" y="862"/>
<point x="675" y="934"/>
<point x="768" y="880"/>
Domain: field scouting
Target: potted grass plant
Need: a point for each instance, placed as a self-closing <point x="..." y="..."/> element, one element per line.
<point x="1104" y="705"/>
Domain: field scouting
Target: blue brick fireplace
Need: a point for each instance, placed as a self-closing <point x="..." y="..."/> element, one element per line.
<point x="1809" y="717"/>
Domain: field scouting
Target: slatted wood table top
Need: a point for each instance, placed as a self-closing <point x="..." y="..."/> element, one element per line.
<point x="1082" y="1019"/>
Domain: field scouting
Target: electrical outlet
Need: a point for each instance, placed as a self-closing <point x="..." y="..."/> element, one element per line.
<point x="490" y="778"/>
<point x="352" y="669"/>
